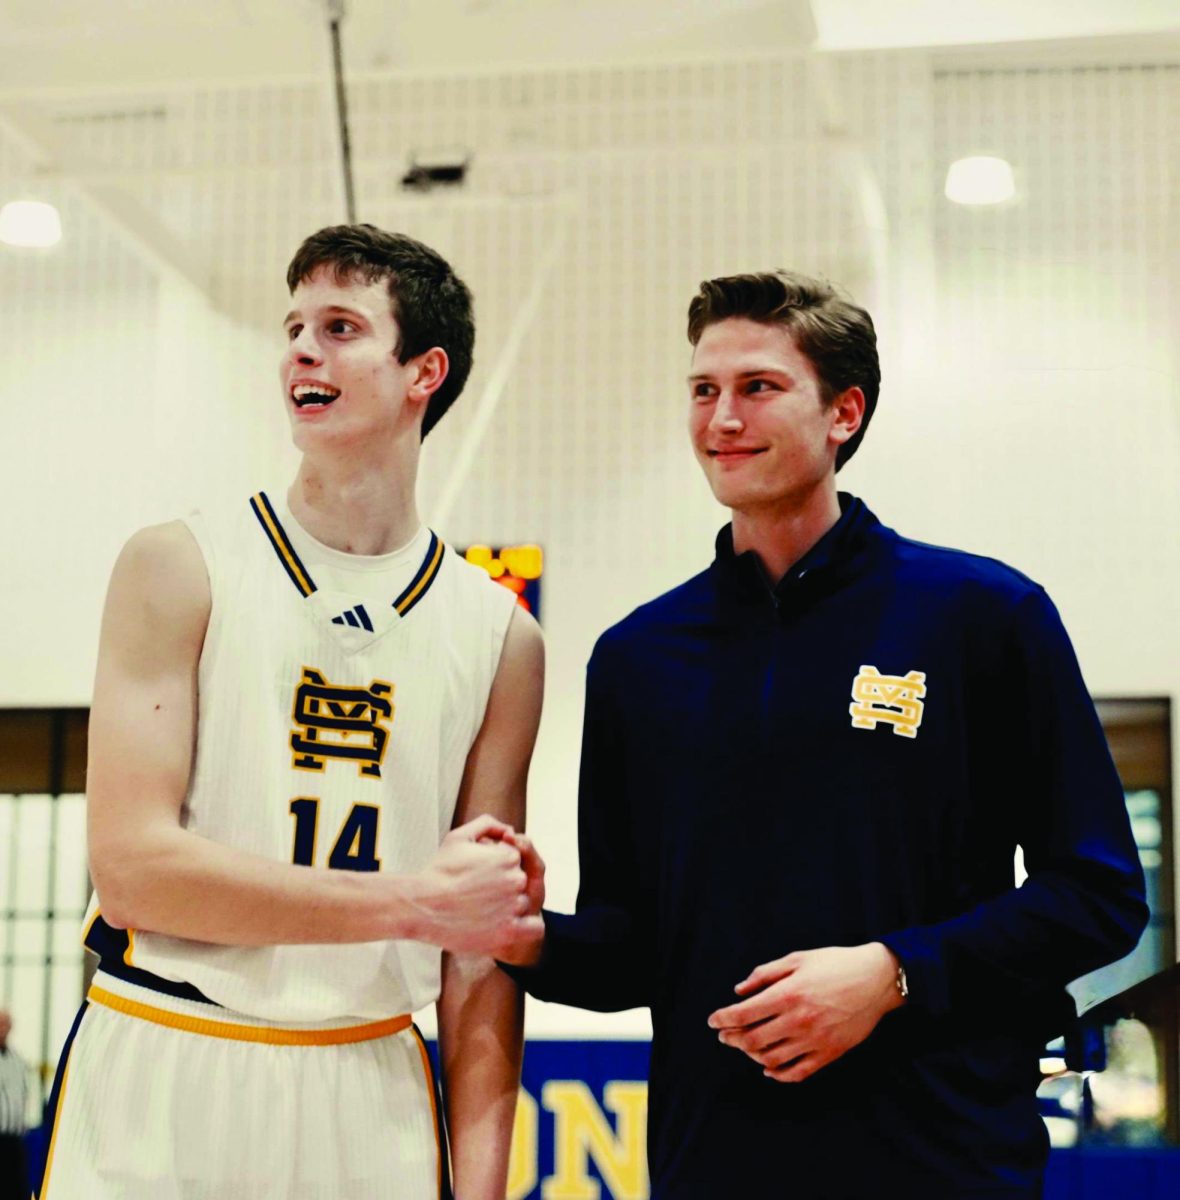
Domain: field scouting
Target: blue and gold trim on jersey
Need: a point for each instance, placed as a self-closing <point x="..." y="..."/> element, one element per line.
<point x="281" y="544"/>
<point x="427" y="573"/>
<point x="109" y="943"/>
<point x="116" y="948"/>
<point x="299" y="575"/>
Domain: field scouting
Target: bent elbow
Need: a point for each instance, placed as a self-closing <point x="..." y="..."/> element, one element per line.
<point x="115" y="909"/>
<point x="1138" y="919"/>
<point x="1115" y="896"/>
<point x="114" y="916"/>
<point x="116" y="894"/>
<point x="1127" y="916"/>
<point x="1133" y="910"/>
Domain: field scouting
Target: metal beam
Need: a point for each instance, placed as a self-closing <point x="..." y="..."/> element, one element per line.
<point x="480" y="419"/>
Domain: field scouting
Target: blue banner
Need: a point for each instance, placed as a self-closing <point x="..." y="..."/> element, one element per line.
<point x="581" y="1122"/>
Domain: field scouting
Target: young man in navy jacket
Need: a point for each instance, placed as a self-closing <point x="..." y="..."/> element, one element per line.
<point x="805" y="773"/>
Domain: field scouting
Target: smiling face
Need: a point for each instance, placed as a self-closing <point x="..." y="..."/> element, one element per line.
<point x="340" y="376"/>
<point x="760" y="428"/>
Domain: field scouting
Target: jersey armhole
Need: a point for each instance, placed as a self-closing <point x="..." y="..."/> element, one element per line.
<point x="499" y="605"/>
<point x="502" y="613"/>
<point x="198" y="527"/>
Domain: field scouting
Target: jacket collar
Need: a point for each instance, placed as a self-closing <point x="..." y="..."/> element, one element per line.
<point x="835" y="556"/>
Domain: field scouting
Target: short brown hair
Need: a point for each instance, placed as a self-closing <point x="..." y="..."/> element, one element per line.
<point x="431" y="304"/>
<point x="835" y="334"/>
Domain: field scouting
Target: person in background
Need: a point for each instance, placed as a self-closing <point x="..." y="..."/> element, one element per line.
<point x="14" y="1099"/>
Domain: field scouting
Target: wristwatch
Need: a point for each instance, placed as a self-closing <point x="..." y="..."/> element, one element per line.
<point x="903" y="987"/>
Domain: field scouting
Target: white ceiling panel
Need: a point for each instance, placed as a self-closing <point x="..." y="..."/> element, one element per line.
<point x="117" y="43"/>
<point x="875" y="24"/>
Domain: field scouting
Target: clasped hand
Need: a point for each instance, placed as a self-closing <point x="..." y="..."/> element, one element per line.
<point x="802" y="1012"/>
<point x="483" y="890"/>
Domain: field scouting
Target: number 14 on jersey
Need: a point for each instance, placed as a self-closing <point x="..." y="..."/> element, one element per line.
<point x="355" y="848"/>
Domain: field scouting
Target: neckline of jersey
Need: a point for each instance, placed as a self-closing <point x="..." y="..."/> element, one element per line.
<point x="310" y="547"/>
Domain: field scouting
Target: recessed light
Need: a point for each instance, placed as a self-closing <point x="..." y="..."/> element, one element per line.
<point x="29" y="223"/>
<point x="980" y="179"/>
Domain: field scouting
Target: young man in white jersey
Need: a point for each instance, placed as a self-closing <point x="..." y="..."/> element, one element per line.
<point x="308" y="749"/>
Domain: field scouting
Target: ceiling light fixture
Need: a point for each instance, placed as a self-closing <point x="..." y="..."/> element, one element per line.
<point x="980" y="179"/>
<point x="30" y="223"/>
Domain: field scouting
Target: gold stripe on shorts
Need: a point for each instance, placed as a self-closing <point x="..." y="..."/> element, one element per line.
<point x="433" y="1105"/>
<point x="61" y="1095"/>
<point x="250" y="1033"/>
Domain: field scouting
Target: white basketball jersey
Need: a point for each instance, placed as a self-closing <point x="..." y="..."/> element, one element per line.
<point x="333" y="730"/>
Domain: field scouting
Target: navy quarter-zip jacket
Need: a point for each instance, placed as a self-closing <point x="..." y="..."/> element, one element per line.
<point x="850" y="756"/>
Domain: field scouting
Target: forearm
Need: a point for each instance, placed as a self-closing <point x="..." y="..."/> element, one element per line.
<point x="168" y="880"/>
<point x="481" y="1019"/>
<point x="1032" y="939"/>
<point x="602" y="956"/>
<point x="589" y="959"/>
<point x="1051" y="788"/>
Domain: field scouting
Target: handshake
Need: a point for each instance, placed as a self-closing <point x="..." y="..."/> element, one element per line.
<point x="481" y="893"/>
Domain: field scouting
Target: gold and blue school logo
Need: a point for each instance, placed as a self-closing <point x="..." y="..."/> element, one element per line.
<point x="894" y="699"/>
<point x="338" y="721"/>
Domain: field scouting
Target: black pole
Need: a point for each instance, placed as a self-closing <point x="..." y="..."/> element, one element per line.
<point x="336" y="11"/>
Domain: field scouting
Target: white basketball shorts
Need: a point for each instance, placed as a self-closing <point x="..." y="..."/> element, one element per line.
<point x="187" y="1101"/>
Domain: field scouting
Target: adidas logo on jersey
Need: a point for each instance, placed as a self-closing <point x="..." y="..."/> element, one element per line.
<point x="356" y="617"/>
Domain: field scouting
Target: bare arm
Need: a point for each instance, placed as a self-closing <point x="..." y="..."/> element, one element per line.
<point x="150" y="873"/>
<point x="481" y="1010"/>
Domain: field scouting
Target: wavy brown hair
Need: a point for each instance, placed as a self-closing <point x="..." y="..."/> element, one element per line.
<point x="836" y="335"/>
<point x="430" y="303"/>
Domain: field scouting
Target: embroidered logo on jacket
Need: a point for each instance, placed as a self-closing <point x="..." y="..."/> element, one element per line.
<point x="335" y="721"/>
<point x="894" y="699"/>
